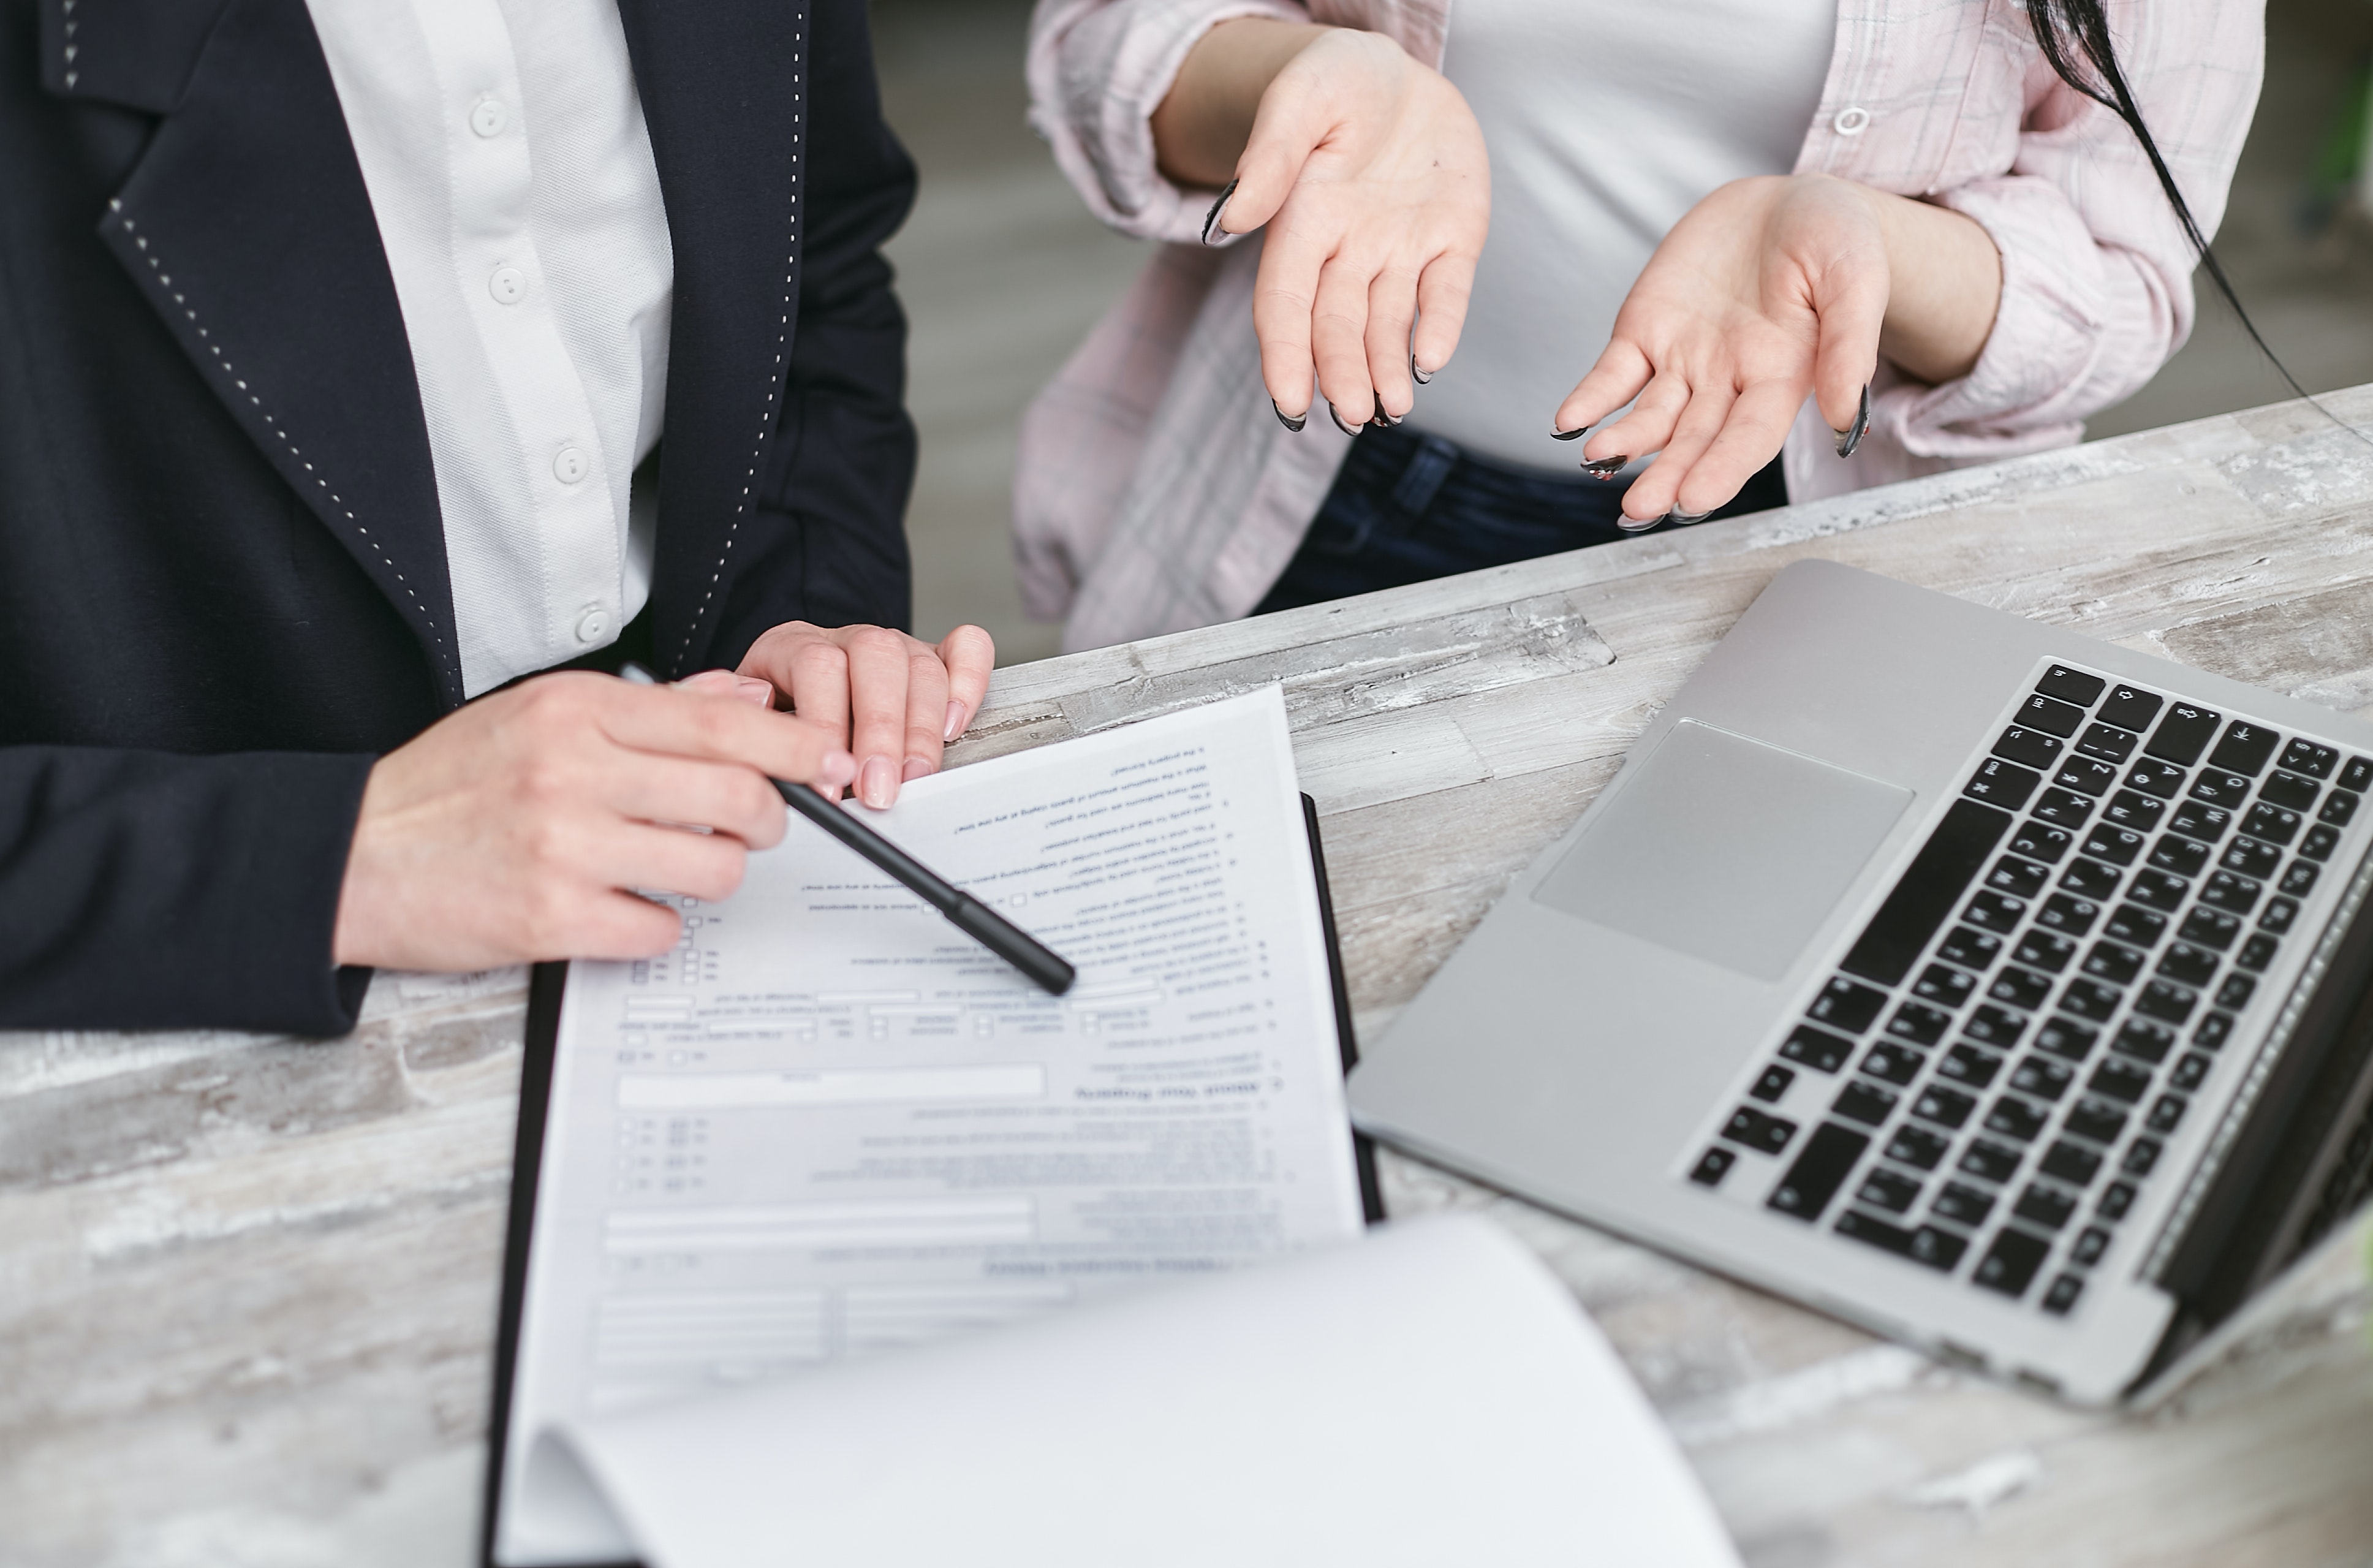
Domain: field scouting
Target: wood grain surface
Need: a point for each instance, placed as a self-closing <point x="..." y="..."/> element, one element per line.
<point x="247" y="1284"/>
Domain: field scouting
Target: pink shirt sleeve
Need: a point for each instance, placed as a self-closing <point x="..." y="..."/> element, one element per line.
<point x="2097" y="272"/>
<point x="1097" y="71"/>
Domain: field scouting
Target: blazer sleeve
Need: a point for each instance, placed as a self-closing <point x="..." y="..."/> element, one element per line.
<point x="1097" y="71"/>
<point x="143" y="890"/>
<point x="844" y="462"/>
<point x="2097" y="272"/>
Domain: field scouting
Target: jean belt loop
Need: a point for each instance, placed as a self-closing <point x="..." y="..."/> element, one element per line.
<point x="1429" y="465"/>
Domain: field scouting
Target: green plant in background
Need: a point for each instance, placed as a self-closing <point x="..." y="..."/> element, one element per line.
<point x="2336" y="176"/>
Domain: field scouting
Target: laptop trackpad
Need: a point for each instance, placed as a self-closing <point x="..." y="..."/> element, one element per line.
<point x="1725" y="848"/>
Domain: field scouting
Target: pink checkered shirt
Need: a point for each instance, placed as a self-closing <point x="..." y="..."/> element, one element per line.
<point x="1155" y="491"/>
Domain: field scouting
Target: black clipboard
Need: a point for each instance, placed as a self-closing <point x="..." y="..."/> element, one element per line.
<point x="546" y="985"/>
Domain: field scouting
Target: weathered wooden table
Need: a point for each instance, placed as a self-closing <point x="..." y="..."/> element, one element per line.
<point x="247" y="1285"/>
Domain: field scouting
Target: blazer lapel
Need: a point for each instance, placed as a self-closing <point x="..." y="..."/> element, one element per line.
<point x="247" y="226"/>
<point x="722" y="93"/>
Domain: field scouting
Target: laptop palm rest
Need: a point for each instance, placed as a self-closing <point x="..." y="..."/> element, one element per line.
<point x="1725" y="849"/>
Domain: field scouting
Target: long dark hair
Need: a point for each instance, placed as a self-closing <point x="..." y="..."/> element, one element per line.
<point x="2074" y="36"/>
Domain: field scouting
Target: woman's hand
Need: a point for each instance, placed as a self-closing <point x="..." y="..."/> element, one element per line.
<point x="894" y="701"/>
<point x="1369" y="171"/>
<point x="1770" y="288"/>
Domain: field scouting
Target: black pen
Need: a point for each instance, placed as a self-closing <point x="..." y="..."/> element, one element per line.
<point x="969" y="915"/>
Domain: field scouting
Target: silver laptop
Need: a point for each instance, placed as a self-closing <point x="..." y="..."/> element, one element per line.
<point x="2000" y="989"/>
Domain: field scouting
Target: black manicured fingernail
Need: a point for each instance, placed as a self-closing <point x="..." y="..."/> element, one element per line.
<point x="1211" y="219"/>
<point x="1606" y="468"/>
<point x="1852" y="437"/>
<point x="1347" y="429"/>
<point x="1422" y="378"/>
<point x="1292" y="422"/>
<point x="1637" y="524"/>
<point x="1570" y="435"/>
<point x="1685" y="518"/>
<point x="1384" y="418"/>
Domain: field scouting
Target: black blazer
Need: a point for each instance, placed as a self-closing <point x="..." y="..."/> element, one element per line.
<point x="223" y="584"/>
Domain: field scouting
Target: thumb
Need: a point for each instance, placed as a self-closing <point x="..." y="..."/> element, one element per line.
<point x="1290" y="121"/>
<point x="1845" y="353"/>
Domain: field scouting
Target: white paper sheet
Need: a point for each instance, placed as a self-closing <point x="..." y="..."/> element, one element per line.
<point x="829" y="1124"/>
<point x="1429" y="1396"/>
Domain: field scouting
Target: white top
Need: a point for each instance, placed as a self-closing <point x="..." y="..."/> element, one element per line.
<point x="508" y="167"/>
<point x="1607" y="121"/>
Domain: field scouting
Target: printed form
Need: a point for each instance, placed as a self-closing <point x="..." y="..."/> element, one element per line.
<point x="828" y="1123"/>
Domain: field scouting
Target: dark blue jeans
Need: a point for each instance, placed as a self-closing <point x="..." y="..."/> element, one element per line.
<point x="1407" y="507"/>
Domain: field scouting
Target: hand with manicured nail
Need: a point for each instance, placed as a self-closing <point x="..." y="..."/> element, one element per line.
<point x="1769" y="289"/>
<point x="896" y="700"/>
<point x="1369" y="172"/>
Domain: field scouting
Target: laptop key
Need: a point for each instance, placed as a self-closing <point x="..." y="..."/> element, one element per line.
<point x="2086" y="776"/>
<point x="1994" y="911"/>
<point x="1916" y="1146"/>
<point x="2210" y="927"/>
<point x="1956" y="852"/>
<point x="2090" y="878"/>
<point x="2270" y="824"/>
<point x="2072" y="1162"/>
<point x="2010" y="1263"/>
<point x="2061" y="1296"/>
<point x="2116" y="1198"/>
<point x="1713" y="1165"/>
<point x="2198" y="819"/>
<point x="2299" y="880"/>
<point x="2289" y="790"/>
<point x="2118" y="1078"/>
<point x="2020" y="988"/>
<point x="2165" y="1113"/>
<point x="2071" y="686"/>
<point x="1971" y="949"/>
<point x="2091" y="1242"/>
<point x="2096" y="1120"/>
<point x="2219" y="788"/>
<point x="2338" y="811"/>
<point x="2043" y="1078"/>
<point x="1943" y="985"/>
<point x="2003" y="784"/>
<point x="2137" y="925"/>
<point x="2013" y="1119"/>
<point x="2213" y="1031"/>
<point x="2235" y="993"/>
<point x="2257" y="953"/>
<point x="1946" y="1107"/>
<point x="2159" y="889"/>
<point x="2113" y="961"/>
<point x="1759" y="1130"/>
<point x="2223" y="889"/>
<point x="2052" y="714"/>
<point x="2130" y="708"/>
<point x="2305" y="756"/>
<point x="2152" y="778"/>
<point x="1817" y="1048"/>
<point x="2144" y="1040"/>
<point x="2061" y="808"/>
<point x="2040" y="841"/>
<point x="2184" y="962"/>
<point x="1990" y="1025"/>
<point x="2064" y="912"/>
<point x="2320" y="841"/>
<point x="2066" y="1038"/>
<point x="2118" y="845"/>
<point x="1937" y="1250"/>
<point x="2166" y="1001"/>
<point x="1967" y="1065"/>
<point x="2191" y="1071"/>
<point x="1893" y="1063"/>
<point x="1864" y="1103"/>
<point x="1772" y="1082"/>
<point x="2249" y="858"/>
<point x="2246" y="748"/>
<point x="2129" y="808"/>
<point x="1887" y="1189"/>
<point x="2107" y="741"/>
<point x="2090" y="998"/>
<point x="1919" y="1022"/>
<point x="2182" y="735"/>
<point x="1963" y="1204"/>
<point x="2280" y="913"/>
<point x="1820" y="1168"/>
<point x="2141" y="1156"/>
<point x="2046" y="1208"/>
<point x="2020" y="879"/>
<point x="1988" y="1161"/>
<point x="2184" y="856"/>
<point x="1845" y="1005"/>
<point x="2032" y="748"/>
<point x="2045" y="951"/>
<point x="2357" y="775"/>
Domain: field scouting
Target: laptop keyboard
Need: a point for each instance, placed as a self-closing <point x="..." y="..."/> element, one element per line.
<point x="2002" y="1056"/>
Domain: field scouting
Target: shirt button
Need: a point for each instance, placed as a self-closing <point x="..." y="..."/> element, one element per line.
<point x="570" y="466"/>
<point x="507" y="284"/>
<point x="594" y="624"/>
<point x="489" y="117"/>
<point x="1851" y="122"/>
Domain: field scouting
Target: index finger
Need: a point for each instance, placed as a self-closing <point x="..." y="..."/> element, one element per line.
<point x="970" y="654"/>
<point x="717" y="728"/>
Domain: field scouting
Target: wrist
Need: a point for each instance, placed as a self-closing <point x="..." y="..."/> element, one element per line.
<point x="1202" y="123"/>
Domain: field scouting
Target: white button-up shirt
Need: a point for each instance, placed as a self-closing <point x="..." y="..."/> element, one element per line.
<point x="510" y="172"/>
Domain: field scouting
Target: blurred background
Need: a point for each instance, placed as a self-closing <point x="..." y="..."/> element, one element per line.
<point x="1002" y="271"/>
